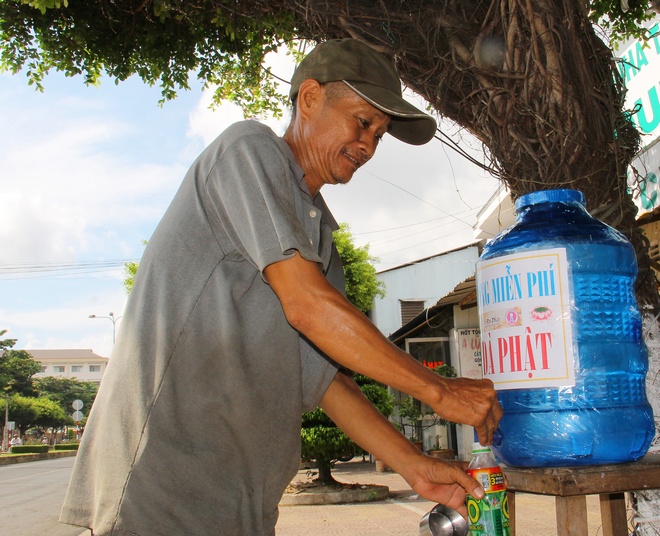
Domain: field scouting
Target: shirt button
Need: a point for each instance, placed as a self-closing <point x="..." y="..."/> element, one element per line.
<point x="312" y="213"/>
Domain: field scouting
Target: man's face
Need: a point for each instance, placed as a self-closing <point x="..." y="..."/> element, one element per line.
<point x="341" y="137"/>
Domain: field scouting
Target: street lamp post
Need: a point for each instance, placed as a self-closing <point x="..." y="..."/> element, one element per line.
<point x="112" y="319"/>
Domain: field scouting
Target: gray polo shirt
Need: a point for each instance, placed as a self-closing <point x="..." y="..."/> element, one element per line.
<point x="196" y="427"/>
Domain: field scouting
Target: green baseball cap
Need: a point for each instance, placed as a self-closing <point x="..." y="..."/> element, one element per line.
<point x="372" y="77"/>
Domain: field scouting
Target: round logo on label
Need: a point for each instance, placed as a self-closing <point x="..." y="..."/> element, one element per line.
<point x="512" y="317"/>
<point x="473" y="510"/>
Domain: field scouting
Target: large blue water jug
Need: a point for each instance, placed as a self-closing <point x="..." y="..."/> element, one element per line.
<point x="562" y="337"/>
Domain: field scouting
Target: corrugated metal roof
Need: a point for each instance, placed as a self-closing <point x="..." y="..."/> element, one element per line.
<point x="464" y="293"/>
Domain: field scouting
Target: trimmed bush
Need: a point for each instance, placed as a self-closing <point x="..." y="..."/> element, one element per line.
<point x="28" y="449"/>
<point x="66" y="446"/>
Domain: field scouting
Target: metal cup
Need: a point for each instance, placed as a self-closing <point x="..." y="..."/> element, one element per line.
<point x="443" y="521"/>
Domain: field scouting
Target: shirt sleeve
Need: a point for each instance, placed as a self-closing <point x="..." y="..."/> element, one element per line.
<point x="250" y="196"/>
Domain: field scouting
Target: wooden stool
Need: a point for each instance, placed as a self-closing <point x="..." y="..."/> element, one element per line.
<point x="571" y="485"/>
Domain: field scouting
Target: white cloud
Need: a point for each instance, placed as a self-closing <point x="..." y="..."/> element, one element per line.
<point x="83" y="178"/>
<point x="65" y="174"/>
<point x="35" y="229"/>
<point x="54" y="327"/>
<point x="207" y="123"/>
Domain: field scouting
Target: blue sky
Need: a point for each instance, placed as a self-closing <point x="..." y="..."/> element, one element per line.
<point x="87" y="172"/>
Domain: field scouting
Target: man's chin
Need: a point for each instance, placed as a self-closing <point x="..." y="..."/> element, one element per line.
<point x="343" y="180"/>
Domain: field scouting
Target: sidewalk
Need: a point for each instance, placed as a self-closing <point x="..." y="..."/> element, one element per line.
<point x="6" y="459"/>
<point x="401" y="513"/>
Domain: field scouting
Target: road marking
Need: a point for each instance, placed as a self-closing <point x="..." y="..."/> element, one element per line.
<point x="408" y="506"/>
<point x="33" y="475"/>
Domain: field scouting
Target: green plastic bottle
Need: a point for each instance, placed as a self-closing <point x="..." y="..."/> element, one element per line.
<point x="488" y="516"/>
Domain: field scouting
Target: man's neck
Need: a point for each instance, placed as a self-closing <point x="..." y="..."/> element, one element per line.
<point x="290" y="137"/>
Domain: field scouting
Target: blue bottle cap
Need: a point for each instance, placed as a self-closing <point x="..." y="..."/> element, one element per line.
<point x="562" y="195"/>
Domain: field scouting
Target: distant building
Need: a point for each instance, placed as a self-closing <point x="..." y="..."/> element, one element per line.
<point x="81" y="364"/>
<point x="412" y="287"/>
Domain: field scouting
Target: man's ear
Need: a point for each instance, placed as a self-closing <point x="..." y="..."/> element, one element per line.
<point x="310" y="97"/>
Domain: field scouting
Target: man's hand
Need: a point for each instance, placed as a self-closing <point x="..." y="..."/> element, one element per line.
<point x="436" y="480"/>
<point x="472" y="402"/>
<point x="442" y="482"/>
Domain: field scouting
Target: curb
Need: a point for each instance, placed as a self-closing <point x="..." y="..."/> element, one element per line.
<point x="10" y="460"/>
<point x="368" y="493"/>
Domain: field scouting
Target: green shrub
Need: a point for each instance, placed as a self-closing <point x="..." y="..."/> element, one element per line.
<point x="66" y="446"/>
<point x="28" y="449"/>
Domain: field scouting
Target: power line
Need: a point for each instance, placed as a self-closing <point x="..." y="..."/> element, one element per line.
<point x="419" y="198"/>
<point x="10" y="272"/>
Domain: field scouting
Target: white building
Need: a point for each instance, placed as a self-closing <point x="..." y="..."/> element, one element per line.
<point x="81" y="364"/>
<point x="412" y="287"/>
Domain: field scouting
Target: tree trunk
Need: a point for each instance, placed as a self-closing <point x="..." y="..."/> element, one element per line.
<point x="325" y="472"/>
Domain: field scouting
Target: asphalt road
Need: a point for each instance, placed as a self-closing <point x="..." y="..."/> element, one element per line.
<point x="31" y="495"/>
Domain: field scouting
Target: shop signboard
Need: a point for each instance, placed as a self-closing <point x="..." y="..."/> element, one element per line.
<point x="639" y="67"/>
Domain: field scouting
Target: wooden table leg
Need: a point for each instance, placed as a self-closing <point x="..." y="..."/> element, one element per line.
<point x="613" y="514"/>
<point x="571" y="515"/>
<point x="511" y="500"/>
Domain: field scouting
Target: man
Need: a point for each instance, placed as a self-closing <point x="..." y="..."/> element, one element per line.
<point x="237" y="324"/>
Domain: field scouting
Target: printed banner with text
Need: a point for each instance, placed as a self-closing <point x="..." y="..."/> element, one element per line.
<point x="525" y="318"/>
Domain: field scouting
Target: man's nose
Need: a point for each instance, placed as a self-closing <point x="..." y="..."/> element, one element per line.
<point x="369" y="145"/>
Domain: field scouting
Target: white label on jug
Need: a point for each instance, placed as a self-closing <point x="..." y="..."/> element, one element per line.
<point x="525" y="316"/>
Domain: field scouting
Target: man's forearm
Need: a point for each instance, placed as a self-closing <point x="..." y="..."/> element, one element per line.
<point x="357" y="417"/>
<point x="341" y="331"/>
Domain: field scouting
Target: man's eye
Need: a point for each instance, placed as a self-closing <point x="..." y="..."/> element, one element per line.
<point x="363" y="122"/>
